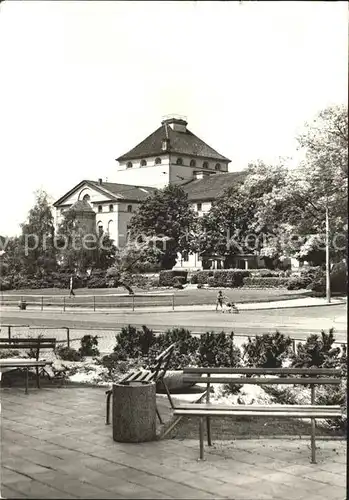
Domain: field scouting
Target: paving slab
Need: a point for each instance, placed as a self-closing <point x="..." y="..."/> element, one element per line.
<point x="54" y="444"/>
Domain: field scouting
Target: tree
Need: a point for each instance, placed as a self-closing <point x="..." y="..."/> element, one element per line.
<point x="37" y="252"/>
<point x="164" y="220"/>
<point x="314" y="192"/>
<point x="234" y="226"/>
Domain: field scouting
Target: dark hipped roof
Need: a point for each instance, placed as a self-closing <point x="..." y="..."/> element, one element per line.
<point x="112" y="190"/>
<point x="212" y="186"/>
<point x="185" y="143"/>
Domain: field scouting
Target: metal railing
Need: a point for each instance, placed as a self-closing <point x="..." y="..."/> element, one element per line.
<point x="90" y="302"/>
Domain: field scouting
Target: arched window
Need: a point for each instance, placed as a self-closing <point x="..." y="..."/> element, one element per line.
<point x="217" y="166"/>
<point x="192" y="163"/>
<point x="205" y="164"/>
<point x="179" y="161"/>
<point x="111" y="208"/>
<point x="157" y="161"/>
<point x="86" y="197"/>
<point x="143" y="163"/>
<point x="129" y="208"/>
<point x="100" y="208"/>
<point x="129" y="164"/>
<point x="110" y="226"/>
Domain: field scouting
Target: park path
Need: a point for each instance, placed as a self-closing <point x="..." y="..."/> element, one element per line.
<point x="54" y="444"/>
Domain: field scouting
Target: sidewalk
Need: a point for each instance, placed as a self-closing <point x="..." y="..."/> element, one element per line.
<point x="54" y="444"/>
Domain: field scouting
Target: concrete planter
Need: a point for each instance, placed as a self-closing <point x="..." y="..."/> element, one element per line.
<point x="174" y="381"/>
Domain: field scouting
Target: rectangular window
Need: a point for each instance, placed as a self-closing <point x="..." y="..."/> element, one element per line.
<point x="199" y="207"/>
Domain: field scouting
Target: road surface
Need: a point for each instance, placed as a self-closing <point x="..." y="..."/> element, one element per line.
<point x="297" y="322"/>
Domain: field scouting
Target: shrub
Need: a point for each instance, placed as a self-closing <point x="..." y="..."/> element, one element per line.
<point x="317" y="351"/>
<point x="305" y="278"/>
<point x="68" y="354"/>
<point x="223" y="277"/>
<point x="168" y="277"/>
<point x="5" y="284"/>
<point x="218" y="350"/>
<point x="185" y="352"/>
<point x="98" y="279"/>
<point x="194" y="279"/>
<point x="134" y="343"/>
<point x="267" y="273"/>
<point x="89" y="346"/>
<point x="269" y="282"/>
<point x="9" y="353"/>
<point x="211" y="281"/>
<point x="267" y="351"/>
<point x="339" y="278"/>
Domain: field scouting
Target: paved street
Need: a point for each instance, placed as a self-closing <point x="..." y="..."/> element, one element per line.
<point x="297" y="322"/>
<point x="54" y="444"/>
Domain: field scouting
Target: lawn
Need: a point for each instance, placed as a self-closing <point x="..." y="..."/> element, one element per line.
<point x="116" y="297"/>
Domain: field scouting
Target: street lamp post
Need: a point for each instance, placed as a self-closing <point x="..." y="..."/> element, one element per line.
<point x="328" y="270"/>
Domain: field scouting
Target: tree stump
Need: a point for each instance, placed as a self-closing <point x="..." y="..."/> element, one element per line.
<point x="134" y="412"/>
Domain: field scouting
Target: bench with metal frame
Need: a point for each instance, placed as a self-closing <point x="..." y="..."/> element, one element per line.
<point x="33" y="344"/>
<point x="304" y="376"/>
<point x="156" y="374"/>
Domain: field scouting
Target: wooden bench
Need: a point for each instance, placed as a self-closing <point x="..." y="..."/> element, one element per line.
<point x="33" y="344"/>
<point x="25" y="364"/>
<point x="155" y="374"/>
<point x="292" y="376"/>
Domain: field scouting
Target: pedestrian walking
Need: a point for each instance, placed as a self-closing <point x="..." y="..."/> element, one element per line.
<point x="219" y="301"/>
<point x="71" y="287"/>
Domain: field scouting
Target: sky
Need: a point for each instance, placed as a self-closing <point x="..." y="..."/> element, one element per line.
<point x="83" y="82"/>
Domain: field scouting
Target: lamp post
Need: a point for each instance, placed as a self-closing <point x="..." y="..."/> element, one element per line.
<point x="328" y="270"/>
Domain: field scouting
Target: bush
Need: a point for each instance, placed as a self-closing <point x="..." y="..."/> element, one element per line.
<point x="98" y="279"/>
<point x="267" y="273"/>
<point x="68" y="354"/>
<point x="339" y="278"/>
<point x="194" y="279"/>
<point x="218" y="350"/>
<point x="267" y="351"/>
<point x="317" y="351"/>
<point x="168" y="277"/>
<point x="223" y="277"/>
<point x="89" y="346"/>
<point x="5" y="284"/>
<point x="185" y="352"/>
<point x="269" y="282"/>
<point x="305" y="279"/>
<point x="134" y="343"/>
<point x="9" y="353"/>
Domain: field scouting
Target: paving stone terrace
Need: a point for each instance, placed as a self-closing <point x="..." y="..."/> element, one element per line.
<point x="54" y="444"/>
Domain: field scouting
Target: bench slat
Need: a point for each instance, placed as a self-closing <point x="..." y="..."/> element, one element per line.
<point x="27" y="341"/>
<point x="264" y="371"/>
<point x="230" y="413"/>
<point x="25" y="346"/>
<point x="130" y="376"/>
<point x="275" y="408"/>
<point x="260" y="381"/>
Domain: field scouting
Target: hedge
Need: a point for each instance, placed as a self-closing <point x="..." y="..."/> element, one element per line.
<point x="223" y="277"/>
<point x="171" y="278"/>
<point x="266" y="282"/>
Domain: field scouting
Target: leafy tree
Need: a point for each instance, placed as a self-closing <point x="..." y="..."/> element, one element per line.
<point x="233" y="226"/>
<point x="164" y="221"/>
<point x="36" y="250"/>
<point x="298" y="205"/>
